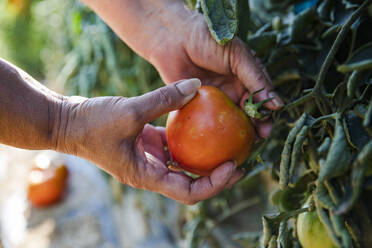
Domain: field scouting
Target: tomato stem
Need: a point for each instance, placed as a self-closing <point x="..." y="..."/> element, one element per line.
<point x="253" y="109"/>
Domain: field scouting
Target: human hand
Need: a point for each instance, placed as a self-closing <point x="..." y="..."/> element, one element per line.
<point x="186" y="49"/>
<point x="112" y="133"/>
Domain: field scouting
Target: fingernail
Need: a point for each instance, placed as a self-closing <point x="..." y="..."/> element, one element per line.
<point x="235" y="165"/>
<point x="276" y="99"/>
<point x="189" y="86"/>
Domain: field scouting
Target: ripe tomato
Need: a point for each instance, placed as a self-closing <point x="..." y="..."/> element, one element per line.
<point x="47" y="184"/>
<point x="311" y="232"/>
<point x="208" y="131"/>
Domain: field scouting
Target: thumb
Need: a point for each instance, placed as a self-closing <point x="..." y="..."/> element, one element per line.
<point x="165" y="99"/>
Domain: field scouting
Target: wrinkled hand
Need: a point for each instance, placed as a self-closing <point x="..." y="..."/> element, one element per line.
<point x="112" y="133"/>
<point x="186" y="49"/>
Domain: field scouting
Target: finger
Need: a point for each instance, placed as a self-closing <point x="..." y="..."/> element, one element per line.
<point x="264" y="128"/>
<point x="207" y="187"/>
<point x="163" y="100"/>
<point x="243" y="99"/>
<point x="183" y="188"/>
<point x="202" y="188"/>
<point x="159" y="178"/>
<point x="238" y="174"/>
<point x="263" y="68"/>
<point x="161" y="131"/>
<point x="152" y="142"/>
<point x="245" y="67"/>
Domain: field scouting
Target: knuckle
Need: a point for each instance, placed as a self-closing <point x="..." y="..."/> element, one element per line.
<point x="165" y="97"/>
<point x="237" y="52"/>
<point x="260" y="77"/>
<point x="133" y="115"/>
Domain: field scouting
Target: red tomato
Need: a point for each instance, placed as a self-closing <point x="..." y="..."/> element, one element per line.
<point x="208" y="131"/>
<point x="47" y="186"/>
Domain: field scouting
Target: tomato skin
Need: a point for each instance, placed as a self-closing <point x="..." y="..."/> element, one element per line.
<point x="208" y="131"/>
<point x="49" y="188"/>
<point x="312" y="233"/>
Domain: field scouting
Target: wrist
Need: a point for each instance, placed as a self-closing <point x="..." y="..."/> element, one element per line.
<point x="62" y="124"/>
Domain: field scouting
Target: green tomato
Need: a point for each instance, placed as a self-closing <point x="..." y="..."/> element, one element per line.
<point x="312" y="233"/>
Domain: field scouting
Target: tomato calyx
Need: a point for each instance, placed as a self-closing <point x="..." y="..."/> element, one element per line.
<point x="174" y="166"/>
<point x="254" y="110"/>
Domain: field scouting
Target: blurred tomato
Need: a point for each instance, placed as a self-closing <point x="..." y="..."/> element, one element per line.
<point x="47" y="182"/>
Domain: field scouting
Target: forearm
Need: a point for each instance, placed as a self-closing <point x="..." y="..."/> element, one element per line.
<point x="142" y="24"/>
<point x="29" y="111"/>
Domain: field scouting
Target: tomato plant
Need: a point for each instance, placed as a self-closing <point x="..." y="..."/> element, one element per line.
<point x="318" y="54"/>
<point x="208" y="131"/>
<point x="47" y="184"/>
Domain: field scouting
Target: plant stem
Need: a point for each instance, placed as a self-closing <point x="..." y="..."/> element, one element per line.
<point x="324" y="117"/>
<point x="237" y="208"/>
<point x="299" y="101"/>
<point x="230" y="212"/>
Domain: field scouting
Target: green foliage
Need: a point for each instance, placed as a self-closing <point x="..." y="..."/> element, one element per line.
<point x="222" y="18"/>
<point x="98" y="62"/>
<point x="17" y="32"/>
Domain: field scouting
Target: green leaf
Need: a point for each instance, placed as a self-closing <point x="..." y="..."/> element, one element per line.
<point x="271" y="224"/>
<point x="324" y="146"/>
<point x="354" y="131"/>
<point x="368" y="115"/>
<point x="222" y="19"/>
<point x="361" y="59"/>
<point x="340" y="229"/>
<point x="190" y="3"/>
<point x="323" y="197"/>
<point x="263" y="42"/>
<point x="339" y="155"/>
<point x="284" y="239"/>
<point x="302" y="24"/>
<point x="244" y="19"/>
<point x="287" y="150"/>
<point x="360" y="65"/>
<point x="293" y="196"/>
<point x="324" y="10"/>
<point x="359" y="170"/>
<point x="76" y="23"/>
